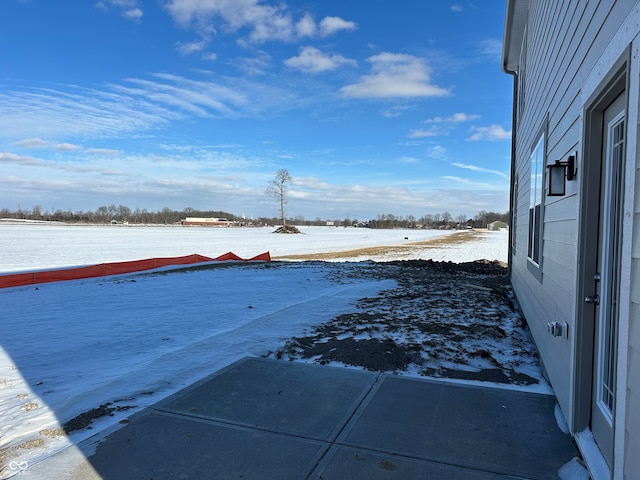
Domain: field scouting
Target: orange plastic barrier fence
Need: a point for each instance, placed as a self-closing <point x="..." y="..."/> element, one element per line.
<point x="116" y="268"/>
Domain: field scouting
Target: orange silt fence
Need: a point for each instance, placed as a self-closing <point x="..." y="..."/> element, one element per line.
<point x="116" y="268"/>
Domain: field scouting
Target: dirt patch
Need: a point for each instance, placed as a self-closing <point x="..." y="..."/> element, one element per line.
<point x="85" y="419"/>
<point x="442" y="320"/>
<point x="287" y="229"/>
<point x="396" y="251"/>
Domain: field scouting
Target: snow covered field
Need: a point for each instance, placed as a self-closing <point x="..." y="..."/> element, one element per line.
<point x="37" y="246"/>
<point x="125" y="342"/>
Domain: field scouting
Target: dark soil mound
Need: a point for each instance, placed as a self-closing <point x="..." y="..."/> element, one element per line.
<point x="287" y="229"/>
<point x="443" y="319"/>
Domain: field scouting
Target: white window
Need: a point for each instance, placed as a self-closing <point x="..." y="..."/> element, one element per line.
<point x="535" y="201"/>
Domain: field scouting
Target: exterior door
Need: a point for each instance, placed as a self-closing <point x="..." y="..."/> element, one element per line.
<point x="607" y="278"/>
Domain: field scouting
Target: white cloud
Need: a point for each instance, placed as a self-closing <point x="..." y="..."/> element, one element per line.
<point x="103" y="151"/>
<point x="195" y="97"/>
<point x="129" y="8"/>
<point x="263" y="21"/>
<point x="331" y="25"/>
<point x="457" y="8"/>
<point x="455" y="118"/>
<point x="32" y="143"/>
<point x="38" y="143"/>
<point x="253" y="65"/>
<point x="306" y="26"/>
<point x="13" y="158"/>
<point x="134" y="14"/>
<point x="395" y="75"/>
<point x="191" y="47"/>
<point x="312" y="60"/>
<point x="466" y="181"/>
<point x="492" y="133"/>
<point x="491" y="47"/>
<point x="480" y="169"/>
<point x="442" y="125"/>
<point x="133" y="105"/>
<point x="66" y="147"/>
<point x="434" y="131"/>
<point x="438" y="152"/>
<point x="409" y="160"/>
<point x="394" y="111"/>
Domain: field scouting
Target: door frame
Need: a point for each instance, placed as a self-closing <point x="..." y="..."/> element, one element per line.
<point x="613" y="84"/>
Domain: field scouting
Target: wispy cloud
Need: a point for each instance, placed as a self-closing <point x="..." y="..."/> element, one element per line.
<point x="13" y="158"/>
<point x="433" y="131"/>
<point x="134" y="14"/>
<point x="40" y="144"/>
<point x="455" y="118"/>
<point x="103" y="151"/>
<point x="253" y="66"/>
<point x="312" y="60"/>
<point x="129" y="9"/>
<point x="466" y="181"/>
<point x="475" y="168"/>
<point x="440" y="126"/>
<point x="491" y="47"/>
<point x="133" y="105"/>
<point x="395" y="75"/>
<point x="187" y="48"/>
<point x="492" y="133"/>
<point x="410" y="160"/>
<point x="32" y="143"/>
<point x="438" y="152"/>
<point x="66" y="147"/>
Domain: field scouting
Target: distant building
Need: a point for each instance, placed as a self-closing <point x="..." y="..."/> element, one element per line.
<point x="497" y="226"/>
<point x="209" y="222"/>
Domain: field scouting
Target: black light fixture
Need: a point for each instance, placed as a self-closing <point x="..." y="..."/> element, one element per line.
<point x="558" y="173"/>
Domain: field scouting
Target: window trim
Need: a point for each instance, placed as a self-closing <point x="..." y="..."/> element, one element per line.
<point x="535" y="267"/>
<point x="522" y="77"/>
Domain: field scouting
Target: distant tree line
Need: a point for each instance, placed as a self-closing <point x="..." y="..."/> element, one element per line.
<point x="167" y="216"/>
<point x="433" y="220"/>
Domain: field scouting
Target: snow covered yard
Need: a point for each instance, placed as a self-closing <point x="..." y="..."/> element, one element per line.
<point x="125" y="342"/>
<point x="78" y="357"/>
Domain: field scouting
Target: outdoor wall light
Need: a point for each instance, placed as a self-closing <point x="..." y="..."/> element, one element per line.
<point x="558" y="173"/>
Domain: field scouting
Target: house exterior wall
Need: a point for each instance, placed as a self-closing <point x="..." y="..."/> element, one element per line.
<point x="630" y="434"/>
<point x="567" y="50"/>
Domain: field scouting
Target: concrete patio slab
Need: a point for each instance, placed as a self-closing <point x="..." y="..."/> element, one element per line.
<point x="279" y="396"/>
<point x="263" y="419"/>
<point x="342" y="463"/>
<point x="158" y="445"/>
<point x="489" y="429"/>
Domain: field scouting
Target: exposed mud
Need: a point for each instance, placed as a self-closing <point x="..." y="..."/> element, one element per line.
<point x="443" y="320"/>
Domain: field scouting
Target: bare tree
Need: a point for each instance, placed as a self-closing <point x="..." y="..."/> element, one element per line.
<point x="277" y="188"/>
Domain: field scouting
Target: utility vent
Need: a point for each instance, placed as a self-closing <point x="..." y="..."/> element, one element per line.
<point x="558" y="329"/>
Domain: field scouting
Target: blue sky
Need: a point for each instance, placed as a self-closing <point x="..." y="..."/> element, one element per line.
<point x="377" y="107"/>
